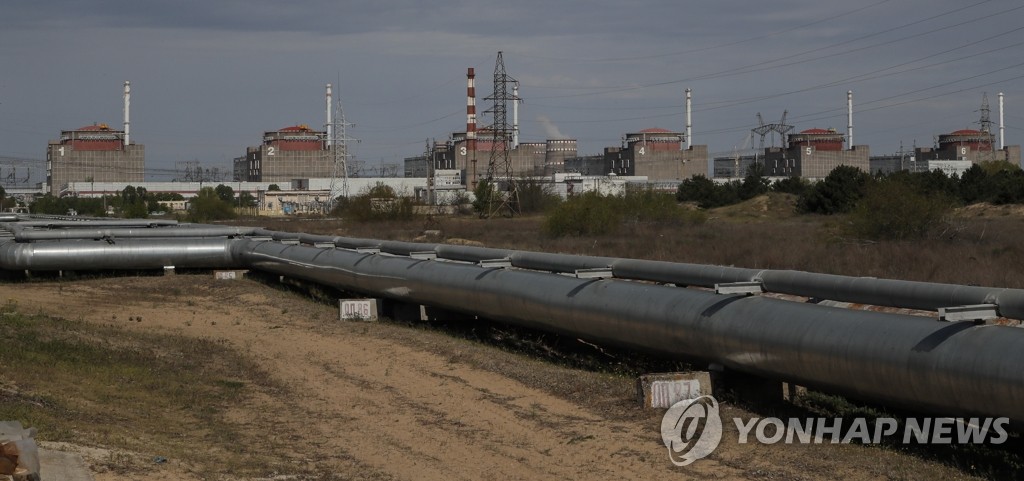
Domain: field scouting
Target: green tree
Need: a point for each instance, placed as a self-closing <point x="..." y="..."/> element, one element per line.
<point x="837" y="194"/>
<point x="225" y="193"/>
<point x="975" y="185"/>
<point x="245" y="199"/>
<point x="207" y="206"/>
<point x="133" y="204"/>
<point x="1008" y="187"/>
<point x="754" y="184"/>
<point x="273" y="187"/>
<point x="486" y="197"/>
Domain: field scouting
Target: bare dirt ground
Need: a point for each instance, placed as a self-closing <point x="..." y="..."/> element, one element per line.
<point x="393" y="401"/>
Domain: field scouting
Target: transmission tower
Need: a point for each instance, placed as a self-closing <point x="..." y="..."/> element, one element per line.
<point x="505" y="199"/>
<point x="779" y="127"/>
<point x="762" y="129"/>
<point x="338" y="148"/>
<point x="986" y="119"/>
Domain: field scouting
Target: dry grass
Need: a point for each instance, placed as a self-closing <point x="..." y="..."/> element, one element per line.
<point x="139" y="395"/>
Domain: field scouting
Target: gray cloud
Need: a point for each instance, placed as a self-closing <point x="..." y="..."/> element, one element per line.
<point x="210" y="77"/>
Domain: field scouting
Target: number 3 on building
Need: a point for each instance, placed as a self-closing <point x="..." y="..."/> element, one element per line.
<point x="462" y="151"/>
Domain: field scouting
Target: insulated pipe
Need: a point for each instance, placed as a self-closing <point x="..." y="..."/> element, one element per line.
<point x="862" y="290"/>
<point x="92" y="224"/>
<point x="122" y="254"/>
<point x="28" y="235"/>
<point x="949" y="368"/>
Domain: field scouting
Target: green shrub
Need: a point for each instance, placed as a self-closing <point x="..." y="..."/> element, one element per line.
<point x="897" y="210"/>
<point x="791" y="185"/>
<point x="379" y="202"/>
<point x="535" y="196"/>
<point x="595" y="214"/>
<point x="707" y="193"/>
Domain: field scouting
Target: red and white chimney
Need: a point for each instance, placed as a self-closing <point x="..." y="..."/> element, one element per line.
<point x="471" y="124"/>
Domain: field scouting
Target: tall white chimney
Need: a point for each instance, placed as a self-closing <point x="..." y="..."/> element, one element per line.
<point x="689" y="119"/>
<point x="127" y="111"/>
<point x="1002" y="126"/>
<point x="849" y="118"/>
<point x="330" y="119"/>
<point x="515" y="115"/>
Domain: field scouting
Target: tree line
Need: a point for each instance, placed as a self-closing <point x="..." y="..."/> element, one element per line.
<point x="210" y="203"/>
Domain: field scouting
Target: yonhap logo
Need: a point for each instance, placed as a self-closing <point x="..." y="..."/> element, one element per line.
<point x="691" y="429"/>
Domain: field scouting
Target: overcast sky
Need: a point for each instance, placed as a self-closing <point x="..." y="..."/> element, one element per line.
<point x="209" y="77"/>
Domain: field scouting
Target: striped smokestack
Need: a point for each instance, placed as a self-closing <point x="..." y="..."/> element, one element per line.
<point x="471" y="124"/>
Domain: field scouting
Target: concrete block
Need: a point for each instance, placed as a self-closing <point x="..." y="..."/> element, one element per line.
<point x="662" y="390"/>
<point x="358" y="309"/>
<point x="748" y="288"/>
<point x="168" y="270"/>
<point x="229" y="275"/>
<point x="976" y="313"/>
<point x="495" y="263"/>
<point x="596" y="273"/>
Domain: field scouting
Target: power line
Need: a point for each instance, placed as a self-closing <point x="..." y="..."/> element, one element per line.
<point x="767" y="64"/>
<point x="713" y="47"/>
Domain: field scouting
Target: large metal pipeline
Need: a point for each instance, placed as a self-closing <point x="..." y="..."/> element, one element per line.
<point x="93" y="223"/>
<point x="863" y="290"/>
<point x="948" y="368"/>
<point x="123" y="254"/>
<point x="22" y="234"/>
